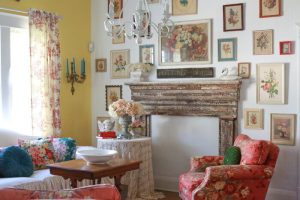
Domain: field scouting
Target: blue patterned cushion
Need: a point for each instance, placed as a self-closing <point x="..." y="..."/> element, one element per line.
<point x="64" y="149"/>
<point x="15" y="162"/>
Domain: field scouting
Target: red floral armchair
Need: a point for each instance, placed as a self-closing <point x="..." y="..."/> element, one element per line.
<point x="209" y="179"/>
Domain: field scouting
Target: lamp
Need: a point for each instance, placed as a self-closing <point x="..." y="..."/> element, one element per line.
<point x="141" y="24"/>
<point x="73" y="77"/>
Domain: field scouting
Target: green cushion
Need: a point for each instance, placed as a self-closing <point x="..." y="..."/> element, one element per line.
<point x="232" y="156"/>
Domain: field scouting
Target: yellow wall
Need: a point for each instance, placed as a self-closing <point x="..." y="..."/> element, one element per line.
<point x="75" y="34"/>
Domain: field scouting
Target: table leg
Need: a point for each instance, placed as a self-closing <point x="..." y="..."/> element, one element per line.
<point x="74" y="183"/>
<point x="118" y="182"/>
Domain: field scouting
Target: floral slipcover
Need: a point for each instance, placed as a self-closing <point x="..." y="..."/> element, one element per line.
<point x="64" y="149"/>
<point x="99" y="192"/>
<point x="208" y="179"/>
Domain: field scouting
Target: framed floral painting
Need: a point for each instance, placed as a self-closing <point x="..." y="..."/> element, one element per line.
<point x="184" y="7"/>
<point x="101" y="65"/>
<point x="118" y="39"/>
<point x="189" y="43"/>
<point x="269" y="8"/>
<point x="112" y="94"/>
<point x="118" y="7"/>
<point x="233" y="17"/>
<point x="270" y="84"/>
<point x="244" y="69"/>
<point x="147" y="54"/>
<point x="152" y="1"/>
<point x="263" y="42"/>
<point x="283" y="128"/>
<point x="253" y="118"/>
<point x="227" y="49"/>
<point x="119" y="61"/>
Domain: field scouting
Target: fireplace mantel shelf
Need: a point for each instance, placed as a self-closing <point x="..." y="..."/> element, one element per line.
<point x="210" y="97"/>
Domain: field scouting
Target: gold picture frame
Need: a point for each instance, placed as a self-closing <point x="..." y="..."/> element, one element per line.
<point x="101" y="65"/>
<point x="283" y="128"/>
<point x="112" y="94"/>
<point x="244" y="69"/>
<point x="119" y="61"/>
<point x="270" y="83"/>
<point x="153" y="1"/>
<point x="188" y="7"/>
<point x="118" y="7"/>
<point x="269" y="8"/>
<point x="120" y="39"/>
<point x="263" y="42"/>
<point x="253" y="118"/>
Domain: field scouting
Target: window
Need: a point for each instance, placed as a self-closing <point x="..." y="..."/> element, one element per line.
<point x="15" y="87"/>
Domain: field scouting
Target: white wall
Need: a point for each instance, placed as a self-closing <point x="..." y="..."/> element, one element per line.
<point x="172" y="129"/>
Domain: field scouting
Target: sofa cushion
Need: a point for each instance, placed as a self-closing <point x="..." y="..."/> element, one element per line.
<point x="15" y="162"/>
<point x="253" y="152"/>
<point x="41" y="151"/>
<point x="64" y="149"/>
<point x="232" y="156"/>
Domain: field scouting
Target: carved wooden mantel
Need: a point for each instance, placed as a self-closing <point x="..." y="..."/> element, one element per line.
<point x="212" y="98"/>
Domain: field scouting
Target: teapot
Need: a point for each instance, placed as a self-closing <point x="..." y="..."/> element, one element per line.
<point x="106" y="125"/>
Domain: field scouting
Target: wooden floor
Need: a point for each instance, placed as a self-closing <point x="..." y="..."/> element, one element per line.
<point x="170" y="195"/>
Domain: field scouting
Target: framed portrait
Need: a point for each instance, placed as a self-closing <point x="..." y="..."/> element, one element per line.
<point x="118" y="39"/>
<point x="286" y="47"/>
<point x="184" y="7"/>
<point x="244" y="69"/>
<point x="269" y="8"/>
<point x="112" y="94"/>
<point x="147" y="54"/>
<point x="263" y="42"/>
<point x="270" y="84"/>
<point x="233" y="17"/>
<point x="119" y="60"/>
<point x="253" y="118"/>
<point x="189" y="43"/>
<point x="118" y="7"/>
<point x="152" y="1"/>
<point x="227" y="49"/>
<point x="101" y="65"/>
<point x="283" y="128"/>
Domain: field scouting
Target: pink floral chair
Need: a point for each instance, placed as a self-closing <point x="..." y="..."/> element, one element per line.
<point x="208" y="179"/>
<point x="99" y="192"/>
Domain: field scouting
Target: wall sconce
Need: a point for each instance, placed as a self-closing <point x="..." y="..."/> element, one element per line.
<point x="73" y="77"/>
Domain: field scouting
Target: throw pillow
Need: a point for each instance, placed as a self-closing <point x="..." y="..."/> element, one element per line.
<point x="232" y="156"/>
<point x="15" y="162"/>
<point x="64" y="149"/>
<point x="41" y="151"/>
<point x="254" y="152"/>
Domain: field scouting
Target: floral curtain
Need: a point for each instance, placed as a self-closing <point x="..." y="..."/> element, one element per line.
<point x="45" y="72"/>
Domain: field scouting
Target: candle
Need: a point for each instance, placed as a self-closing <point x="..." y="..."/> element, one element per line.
<point x="83" y="66"/>
<point x="67" y="67"/>
<point x="74" y="66"/>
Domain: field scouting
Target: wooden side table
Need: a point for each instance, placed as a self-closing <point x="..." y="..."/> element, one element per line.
<point x="140" y="182"/>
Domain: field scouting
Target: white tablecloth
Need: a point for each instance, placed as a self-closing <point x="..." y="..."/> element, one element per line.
<point x="140" y="182"/>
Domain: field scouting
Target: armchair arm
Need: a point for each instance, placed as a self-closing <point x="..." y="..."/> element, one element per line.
<point x="238" y="172"/>
<point x="199" y="164"/>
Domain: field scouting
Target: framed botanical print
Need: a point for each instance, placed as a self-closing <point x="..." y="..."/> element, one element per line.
<point x="147" y="54"/>
<point x="152" y="1"/>
<point x="253" y="118"/>
<point x="118" y="39"/>
<point x="270" y="83"/>
<point x="101" y="65"/>
<point x="269" y="8"/>
<point x="263" y="42"/>
<point x="184" y="7"/>
<point x="283" y="128"/>
<point x="227" y="49"/>
<point x="189" y="43"/>
<point x="233" y="17"/>
<point x="286" y="47"/>
<point x="112" y="94"/>
<point x="118" y="7"/>
<point x="244" y="69"/>
<point x="119" y="61"/>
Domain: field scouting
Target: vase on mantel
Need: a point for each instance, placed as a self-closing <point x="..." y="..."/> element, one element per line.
<point x="139" y="76"/>
<point x="124" y="121"/>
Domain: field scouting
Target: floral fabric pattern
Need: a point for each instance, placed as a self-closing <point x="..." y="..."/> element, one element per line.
<point x="99" y="192"/>
<point x="64" y="149"/>
<point x="45" y="72"/>
<point x="208" y="179"/>
<point x="41" y="151"/>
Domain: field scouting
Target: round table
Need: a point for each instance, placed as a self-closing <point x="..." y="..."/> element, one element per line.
<point x="140" y="182"/>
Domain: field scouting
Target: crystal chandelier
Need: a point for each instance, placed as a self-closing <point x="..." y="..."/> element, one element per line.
<point x="141" y="24"/>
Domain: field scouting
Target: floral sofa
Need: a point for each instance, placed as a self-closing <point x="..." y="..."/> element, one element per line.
<point x="41" y="179"/>
<point x="209" y="179"/>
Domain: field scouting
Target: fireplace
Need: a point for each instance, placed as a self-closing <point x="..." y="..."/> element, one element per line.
<point x="212" y="98"/>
